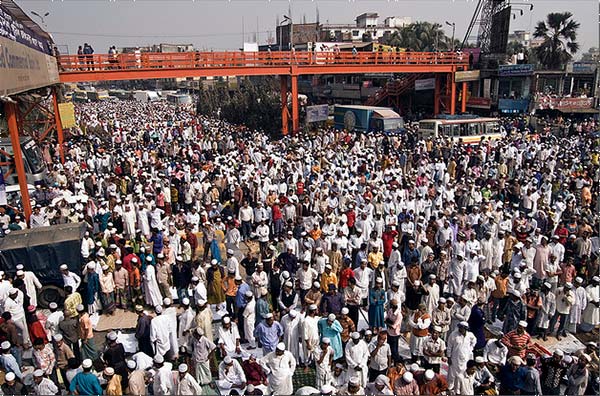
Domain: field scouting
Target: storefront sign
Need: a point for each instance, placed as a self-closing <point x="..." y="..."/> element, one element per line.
<point x="463" y="76"/>
<point x="547" y="103"/>
<point x="14" y="30"/>
<point x="583" y="68"/>
<point x="513" y="105"/>
<point x="515" y="70"/>
<point x="23" y="68"/>
<point x="425" y="84"/>
<point x="479" y="103"/>
<point x="317" y="113"/>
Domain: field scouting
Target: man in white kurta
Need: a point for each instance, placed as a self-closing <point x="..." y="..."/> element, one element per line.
<point x="185" y="324"/>
<point x="32" y="285"/>
<point x="14" y="305"/>
<point x="186" y="383"/>
<point x="591" y="314"/>
<point x="228" y="337"/>
<point x="279" y="366"/>
<point x="578" y="306"/>
<point x="460" y="350"/>
<point x="291" y="332"/>
<point x="231" y="374"/>
<point x="357" y="357"/>
<point x="310" y="334"/>
<point x="151" y="289"/>
<point x="160" y="334"/>
<point x="249" y="315"/>
<point x="163" y="377"/>
<point x="171" y="312"/>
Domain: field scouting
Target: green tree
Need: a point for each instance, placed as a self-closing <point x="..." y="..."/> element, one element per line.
<point x="559" y="33"/>
<point x="421" y="36"/>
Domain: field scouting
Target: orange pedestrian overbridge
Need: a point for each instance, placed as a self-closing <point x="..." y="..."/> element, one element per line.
<point x="286" y="64"/>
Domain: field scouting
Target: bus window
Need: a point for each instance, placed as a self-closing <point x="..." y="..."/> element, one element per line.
<point x="464" y="129"/>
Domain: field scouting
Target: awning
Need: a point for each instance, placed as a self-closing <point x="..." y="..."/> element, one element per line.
<point x="385" y="113"/>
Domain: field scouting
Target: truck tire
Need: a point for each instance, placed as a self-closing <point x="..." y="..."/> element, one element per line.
<point x="50" y="294"/>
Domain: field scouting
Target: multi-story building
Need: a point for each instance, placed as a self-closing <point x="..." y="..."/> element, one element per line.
<point x="366" y="24"/>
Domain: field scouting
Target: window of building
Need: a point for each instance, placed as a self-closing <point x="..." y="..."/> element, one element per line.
<point x="355" y="33"/>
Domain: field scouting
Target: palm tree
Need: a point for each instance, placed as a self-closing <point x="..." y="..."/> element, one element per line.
<point x="559" y="32"/>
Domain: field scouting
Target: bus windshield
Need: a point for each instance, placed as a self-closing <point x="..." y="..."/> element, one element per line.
<point x="34" y="157"/>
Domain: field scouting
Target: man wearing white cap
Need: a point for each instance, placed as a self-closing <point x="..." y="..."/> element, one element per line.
<point x="202" y="350"/>
<point x="310" y="334"/>
<point x="150" y="286"/>
<point x="14" y="305"/>
<point x="591" y="314"/>
<point x="279" y="366"/>
<point x="187" y="384"/>
<point x="53" y="319"/>
<point x="547" y="309"/>
<point x="85" y="382"/>
<point x="268" y="332"/>
<point x="291" y="331"/>
<point x="8" y="362"/>
<point x="163" y="377"/>
<point x="231" y="375"/>
<point x="460" y="350"/>
<point x="323" y="362"/>
<point x="578" y="306"/>
<point x="564" y="300"/>
<point x="185" y="322"/>
<point x="42" y="385"/>
<point x="70" y="278"/>
<point x="357" y="358"/>
<point x="517" y="341"/>
<point x="160" y="332"/>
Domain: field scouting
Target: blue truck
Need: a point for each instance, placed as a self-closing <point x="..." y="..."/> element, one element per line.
<point x="367" y="119"/>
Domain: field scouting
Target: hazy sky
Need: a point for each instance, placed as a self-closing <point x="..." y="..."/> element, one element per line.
<point x="218" y="24"/>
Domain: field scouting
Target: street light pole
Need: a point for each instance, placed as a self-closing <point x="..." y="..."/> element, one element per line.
<point x="453" y="24"/>
<point x="41" y="17"/>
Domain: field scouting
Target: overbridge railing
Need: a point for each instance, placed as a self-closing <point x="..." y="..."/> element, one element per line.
<point x="193" y="60"/>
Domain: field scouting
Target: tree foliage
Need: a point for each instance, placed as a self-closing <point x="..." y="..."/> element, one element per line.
<point x="559" y="33"/>
<point x="421" y="36"/>
<point x="255" y="104"/>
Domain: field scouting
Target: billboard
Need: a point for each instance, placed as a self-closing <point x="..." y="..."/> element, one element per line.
<point x="549" y="103"/>
<point x="67" y="114"/>
<point x="23" y="68"/>
<point x="425" y="84"/>
<point x="12" y="29"/>
<point x="317" y="113"/>
<point x="515" y="70"/>
<point x="469" y="75"/>
<point x="499" y="33"/>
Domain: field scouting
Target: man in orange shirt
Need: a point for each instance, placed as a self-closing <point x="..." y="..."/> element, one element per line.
<point x="499" y="295"/>
<point x="433" y="384"/>
<point x="230" y="288"/>
<point x="86" y="334"/>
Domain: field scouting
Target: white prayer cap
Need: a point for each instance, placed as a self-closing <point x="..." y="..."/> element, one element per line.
<point x="345" y="311"/>
<point x="479" y="359"/>
<point x="354" y="381"/>
<point x="112" y="336"/>
<point x="226" y="320"/>
<point x="378" y="280"/>
<point x="327" y="389"/>
<point x="523" y="323"/>
<point x="38" y="373"/>
<point x="183" y="368"/>
<point x="312" y="307"/>
<point x="167" y="301"/>
<point x="58" y="337"/>
<point x="269" y="315"/>
<point x="53" y="305"/>
<point x="229" y="251"/>
<point x="293" y="313"/>
<point x="185" y="301"/>
<point x="408" y="376"/>
<point x="214" y="262"/>
<point x="429" y="374"/>
<point x="248" y="293"/>
<point x="326" y="340"/>
<point x="87" y="363"/>
<point x="109" y="371"/>
<point x="159" y="359"/>
<point x="131" y="364"/>
<point x="158" y="309"/>
<point x="464" y="324"/>
<point x="281" y="346"/>
<point x="355" y="335"/>
<point x="5" y="345"/>
<point x="105" y="267"/>
<point x="19" y="267"/>
<point x="64" y="267"/>
<point x="228" y="360"/>
<point x="331" y="317"/>
<point x="195" y="279"/>
<point x="80" y="308"/>
<point x="10" y="376"/>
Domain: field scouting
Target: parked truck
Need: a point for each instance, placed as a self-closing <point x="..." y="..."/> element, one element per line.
<point x="355" y="118"/>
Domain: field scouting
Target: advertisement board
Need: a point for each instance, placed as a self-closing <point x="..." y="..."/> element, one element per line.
<point x="67" y="114"/>
<point x="513" y="106"/>
<point x="479" y="103"/>
<point x="548" y="103"/>
<point x="515" y="70"/>
<point x="469" y="75"/>
<point x="425" y="84"/>
<point x="11" y="28"/>
<point x="317" y="113"/>
<point x="23" y="68"/>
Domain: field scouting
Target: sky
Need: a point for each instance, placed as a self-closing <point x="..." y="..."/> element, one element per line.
<point x="226" y="24"/>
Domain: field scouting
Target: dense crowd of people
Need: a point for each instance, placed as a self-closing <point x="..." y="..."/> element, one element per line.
<point x="389" y="265"/>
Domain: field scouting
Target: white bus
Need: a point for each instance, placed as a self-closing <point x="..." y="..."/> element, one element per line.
<point x="467" y="130"/>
